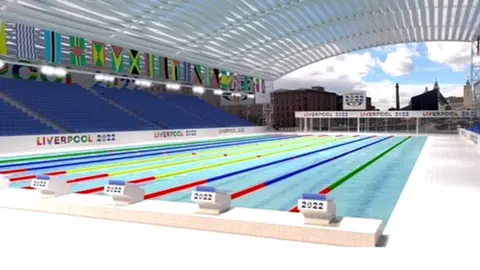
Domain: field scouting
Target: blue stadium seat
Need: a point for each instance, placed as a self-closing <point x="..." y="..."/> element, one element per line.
<point x="154" y="109"/>
<point x="205" y="110"/>
<point x="72" y="107"/>
<point x="14" y="122"/>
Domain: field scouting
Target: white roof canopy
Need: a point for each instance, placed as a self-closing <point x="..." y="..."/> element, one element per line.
<point x="261" y="38"/>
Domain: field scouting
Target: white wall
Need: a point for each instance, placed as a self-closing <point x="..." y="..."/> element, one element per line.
<point x="41" y="143"/>
<point x="470" y="137"/>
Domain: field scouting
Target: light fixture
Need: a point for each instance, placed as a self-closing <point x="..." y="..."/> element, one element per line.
<point x="173" y="86"/>
<point x="251" y="96"/>
<point x="60" y="72"/>
<point x="236" y="94"/>
<point x="104" y="78"/>
<point x="47" y="70"/>
<point x="143" y="83"/>
<point x="2" y="63"/>
<point x="218" y="92"/>
<point x="53" y="71"/>
<point x="198" y="89"/>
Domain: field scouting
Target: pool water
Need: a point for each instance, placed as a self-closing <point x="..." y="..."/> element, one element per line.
<point x="280" y="168"/>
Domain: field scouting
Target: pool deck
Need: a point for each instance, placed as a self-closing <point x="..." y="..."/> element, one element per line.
<point x="442" y="195"/>
<point x="435" y="221"/>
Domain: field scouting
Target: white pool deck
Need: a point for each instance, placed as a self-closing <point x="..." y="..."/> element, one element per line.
<point x="436" y="222"/>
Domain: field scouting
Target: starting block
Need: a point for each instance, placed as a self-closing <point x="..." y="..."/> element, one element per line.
<point x="211" y="201"/>
<point x="317" y="209"/>
<point x="124" y="194"/>
<point x="4" y="182"/>
<point x="51" y="187"/>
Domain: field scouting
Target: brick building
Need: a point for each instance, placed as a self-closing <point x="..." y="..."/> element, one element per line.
<point x="286" y="102"/>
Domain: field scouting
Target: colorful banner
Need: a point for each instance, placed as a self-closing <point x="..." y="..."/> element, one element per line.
<point x="25" y="36"/>
<point x="77" y="51"/>
<point x="388" y="114"/>
<point x="197" y="75"/>
<point x="134" y="60"/>
<point x="149" y="65"/>
<point x="175" y="70"/>
<point x="52" y="47"/>
<point x="208" y="76"/>
<point x="216" y="78"/>
<point x="117" y="58"/>
<point x="163" y="68"/>
<point x="3" y="37"/>
<point x="98" y="54"/>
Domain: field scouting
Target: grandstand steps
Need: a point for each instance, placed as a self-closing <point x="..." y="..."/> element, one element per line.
<point x="187" y="111"/>
<point x="32" y="113"/>
<point x="120" y="107"/>
<point x="84" y="80"/>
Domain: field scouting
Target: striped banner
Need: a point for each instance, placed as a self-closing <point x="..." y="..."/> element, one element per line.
<point x="175" y="70"/>
<point x="149" y="66"/>
<point x="52" y="46"/>
<point x="245" y="83"/>
<point x="197" y="74"/>
<point x="216" y="78"/>
<point x="208" y="76"/>
<point x="238" y="84"/>
<point x="117" y="58"/>
<point x="163" y="67"/>
<point x="257" y="85"/>
<point x="25" y="41"/>
<point x="98" y="54"/>
<point x="134" y="60"/>
<point x="224" y="81"/>
<point x="3" y="37"/>
<point x="77" y="51"/>
<point x="185" y="76"/>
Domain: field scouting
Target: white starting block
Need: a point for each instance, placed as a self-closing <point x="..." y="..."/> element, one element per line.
<point x="211" y="201"/>
<point x="124" y="194"/>
<point x="4" y="182"/>
<point x="317" y="209"/>
<point x="51" y="187"/>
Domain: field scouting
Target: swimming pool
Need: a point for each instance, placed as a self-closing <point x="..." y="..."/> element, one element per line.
<point x="364" y="174"/>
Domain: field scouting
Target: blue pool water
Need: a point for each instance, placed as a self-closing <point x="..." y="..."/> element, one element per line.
<point x="372" y="193"/>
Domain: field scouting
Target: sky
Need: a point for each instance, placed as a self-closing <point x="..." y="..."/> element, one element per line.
<point x="414" y="66"/>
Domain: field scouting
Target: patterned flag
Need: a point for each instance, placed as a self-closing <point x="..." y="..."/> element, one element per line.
<point x="117" y="58"/>
<point x="224" y="81"/>
<point x="186" y="72"/>
<point x="197" y="74"/>
<point x="134" y="60"/>
<point x="163" y="67"/>
<point x="77" y="51"/>
<point x="149" y="66"/>
<point x="208" y="76"/>
<point x="263" y="86"/>
<point x="175" y="70"/>
<point x="53" y="46"/>
<point x="216" y="78"/>
<point x="238" y="85"/>
<point x="3" y="37"/>
<point x="257" y="85"/>
<point x="98" y="54"/>
<point x="25" y="41"/>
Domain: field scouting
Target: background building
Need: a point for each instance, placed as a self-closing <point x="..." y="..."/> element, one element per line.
<point x="430" y="100"/>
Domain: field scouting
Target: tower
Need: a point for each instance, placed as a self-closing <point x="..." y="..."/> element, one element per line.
<point x="397" y="96"/>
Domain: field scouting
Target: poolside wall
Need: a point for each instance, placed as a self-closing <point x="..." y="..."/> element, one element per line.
<point x="470" y="137"/>
<point x="42" y="143"/>
<point x="349" y="231"/>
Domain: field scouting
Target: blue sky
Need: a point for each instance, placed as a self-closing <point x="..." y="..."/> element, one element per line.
<point x="414" y="66"/>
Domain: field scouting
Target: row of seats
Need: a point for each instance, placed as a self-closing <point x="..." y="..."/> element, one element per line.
<point x="76" y="109"/>
<point x="15" y="122"/>
<point x="203" y="109"/>
<point x="72" y="107"/>
<point x="154" y="109"/>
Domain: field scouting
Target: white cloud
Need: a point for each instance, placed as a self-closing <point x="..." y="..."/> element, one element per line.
<point x="348" y="72"/>
<point x="399" y="62"/>
<point x="455" y="55"/>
